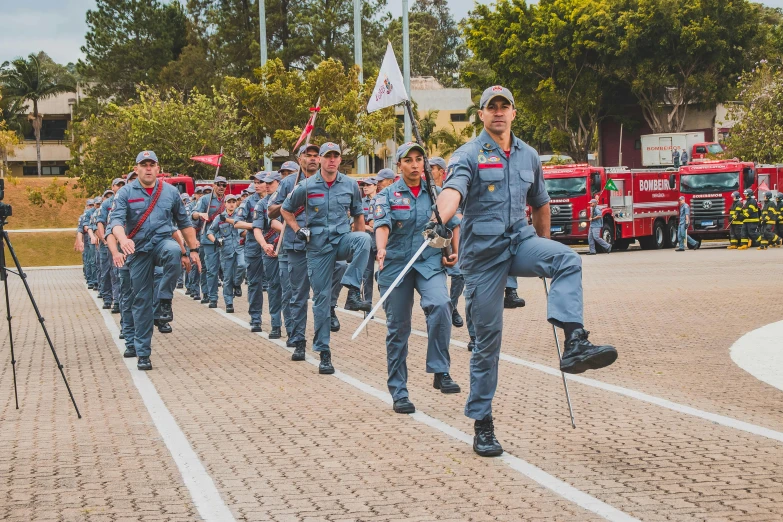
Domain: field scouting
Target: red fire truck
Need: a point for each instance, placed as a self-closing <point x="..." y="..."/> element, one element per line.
<point x="707" y="187"/>
<point x="235" y="186"/>
<point x="184" y="184"/>
<point x="770" y="177"/>
<point x="643" y="208"/>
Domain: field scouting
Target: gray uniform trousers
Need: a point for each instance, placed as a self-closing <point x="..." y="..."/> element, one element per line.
<point x="105" y="275"/>
<point x="399" y="307"/>
<point x="255" y="280"/>
<point x="84" y="261"/>
<point x="368" y="281"/>
<point x="457" y="285"/>
<point x="321" y="268"/>
<point x="203" y="278"/>
<point x="593" y="237"/>
<point x="535" y="257"/>
<point x="157" y="279"/>
<point x="228" y="263"/>
<point x="299" y="280"/>
<point x="275" y="291"/>
<point x="126" y="306"/>
<point x="212" y="257"/>
<point x="90" y="263"/>
<point x="165" y="254"/>
<point x="115" y="283"/>
<point x="285" y="290"/>
<point x="241" y="268"/>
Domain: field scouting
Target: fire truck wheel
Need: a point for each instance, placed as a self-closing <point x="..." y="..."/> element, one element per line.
<point x="671" y="234"/>
<point x="656" y="241"/>
<point x="606" y="233"/>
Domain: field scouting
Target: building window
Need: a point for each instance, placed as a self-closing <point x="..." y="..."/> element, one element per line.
<point x="51" y="130"/>
<point x="57" y="170"/>
<point x="458" y="117"/>
<point x="637" y="145"/>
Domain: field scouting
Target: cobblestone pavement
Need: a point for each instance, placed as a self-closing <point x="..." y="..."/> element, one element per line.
<point x="280" y="442"/>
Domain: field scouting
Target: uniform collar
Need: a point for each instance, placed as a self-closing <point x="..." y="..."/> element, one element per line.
<point x="137" y="185"/>
<point x="401" y="186"/>
<point x="317" y="178"/>
<point x="487" y="143"/>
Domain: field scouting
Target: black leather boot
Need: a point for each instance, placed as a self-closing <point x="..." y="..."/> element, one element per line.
<point x="484" y="442"/>
<point x="238" y="291"/>
<point x="164" y="327"/>
<point x="456" y="319"/>
<point x="472" y="344"/>
<point x="230" y="309"/>
<point x="107" y="305"/>
<point x="204" y="300"/>
<point x="581" y="355"/>
<point x="115" y="309"/>
<point x="445" y="383"/>
<point x="404" y="405"/>
<point x="275" y="333"/>
<point x="512" y="300"/>
<point x="299" y="351"/>
<point x="334" y="322"/>
<point x="255" y="327"/>
<point x="129" y="352"/>
<point x="355" y="302"/>
<point x="144" y="364"/>
<point x="326" y="368"/>
<point x="166" y="313"/>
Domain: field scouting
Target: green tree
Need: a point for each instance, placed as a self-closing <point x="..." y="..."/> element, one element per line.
<point x="175" y="126"/>
<point x="277" y="105"/>
<point x="549" y="55"/>
<point x="33" y="79"/>
<point x="8" y="140"/>
<point x="676" y="54"/>
<point x="758" y="135"/>
<point x="128" y="42"/>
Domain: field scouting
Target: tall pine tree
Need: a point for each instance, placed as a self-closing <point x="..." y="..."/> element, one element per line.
<point x="128" y="43"/>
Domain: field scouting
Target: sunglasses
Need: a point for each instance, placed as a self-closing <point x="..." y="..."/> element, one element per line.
<point x="221" y="184"/>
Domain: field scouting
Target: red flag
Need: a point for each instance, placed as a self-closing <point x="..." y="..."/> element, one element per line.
<point x="309" y="127"/>
<point x="213" y="160"/>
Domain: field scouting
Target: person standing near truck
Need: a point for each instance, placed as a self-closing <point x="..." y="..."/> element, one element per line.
<point x="676" y="158"/>
<point x="596" y="225"/>
<point x="685" y="222"/>
<point x="750" y="220"/>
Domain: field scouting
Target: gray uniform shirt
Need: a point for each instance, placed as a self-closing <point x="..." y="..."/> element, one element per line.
<point x="328" y="210"/>
<point x="132" y="202"/>
<point x="495" y="190"/>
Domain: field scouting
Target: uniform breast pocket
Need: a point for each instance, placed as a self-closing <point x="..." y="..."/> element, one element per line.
<point x="400" y="212"/>
<point x="345" y="201"/>
<point x="225" y="229"/>
<point x="527" y="179"/>
<point x="137" y="207"/>
<point x="492" y="184"/>
<point x="316" y="200"/>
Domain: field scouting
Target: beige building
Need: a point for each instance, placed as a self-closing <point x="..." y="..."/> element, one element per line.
<point x="57" y="112"/>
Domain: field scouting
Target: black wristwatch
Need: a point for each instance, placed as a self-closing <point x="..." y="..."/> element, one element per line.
<point x="184" y="254"/>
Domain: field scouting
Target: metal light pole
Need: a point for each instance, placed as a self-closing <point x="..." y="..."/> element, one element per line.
<point x="361" y="161"/>
<point x="264" y="58"/>
<point x="406" y="64"/>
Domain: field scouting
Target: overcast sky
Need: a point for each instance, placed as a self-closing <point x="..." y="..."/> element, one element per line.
<point x="58" y="26"/>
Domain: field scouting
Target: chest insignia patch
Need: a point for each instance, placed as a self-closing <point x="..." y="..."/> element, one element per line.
<point x="482" y="158"/>
<point x="494" y="159"/>
<point x="379" y="211"/>
<point x="491" y="188"/>
<point x="406" y="201"/>
<point x="397" y="194"/>
<point x="316" y="209"/>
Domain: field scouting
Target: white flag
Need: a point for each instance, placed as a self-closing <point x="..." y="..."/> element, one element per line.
<point x="390" y="87"/>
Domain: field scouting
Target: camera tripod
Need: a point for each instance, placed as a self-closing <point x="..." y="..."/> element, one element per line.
<point x="5" y="240"/>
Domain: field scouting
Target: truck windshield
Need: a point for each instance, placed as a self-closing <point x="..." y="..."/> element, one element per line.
<point x="716" y="182"/>
<point x="563" y="187"/>
<point x="714" y="149"/>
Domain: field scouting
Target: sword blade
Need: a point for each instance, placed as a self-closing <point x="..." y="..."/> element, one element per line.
<point x="389" y="291"/>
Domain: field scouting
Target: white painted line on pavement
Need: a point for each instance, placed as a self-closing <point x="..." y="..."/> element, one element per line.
<point x="200" y="485"/>
<point x="760" y="353"/>
<point x="39" y="230"/>
<point x="523" y="467"/>
<point x="664" y="403"/>
<point x="56" y="267"/>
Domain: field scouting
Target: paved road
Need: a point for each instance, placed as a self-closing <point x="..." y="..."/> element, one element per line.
<point x="226" y="426"/>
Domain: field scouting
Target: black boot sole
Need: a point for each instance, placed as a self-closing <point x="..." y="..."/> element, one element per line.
<point x="589" y="361"/>
<point x="493" y="452"/>
<point x="334" y="329"/>
<point x="275" y="335"/>
<point x="326" y="371"/>
<point x="297" y="357"/>
<point x="128" y="356"/>
<point x="450" y="389"/>
<point x="257" y="329"/>
<point x="405" y="409"/>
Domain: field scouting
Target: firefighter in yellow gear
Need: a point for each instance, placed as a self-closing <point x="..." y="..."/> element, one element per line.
<point x="750" y="220"/>
<point x="735" y="218"/>
<point x="769" y="217"/>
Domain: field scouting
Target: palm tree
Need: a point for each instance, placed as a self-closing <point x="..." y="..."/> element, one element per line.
<point x="29" y="81"/>
<point x="449" y="140"/>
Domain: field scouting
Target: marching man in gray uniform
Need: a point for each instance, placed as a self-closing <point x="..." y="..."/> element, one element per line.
<point x="208" y="208"/>
<point x="492" y="178"/>
<point x="401" y="213"/>
<point x="253" y="252"/>
<point x="266" y="233"/>
<point x="110" y="279"/>
<point x="328" y="198"/>
<point x="142" y="220"/>
<point x="226" y="239"/>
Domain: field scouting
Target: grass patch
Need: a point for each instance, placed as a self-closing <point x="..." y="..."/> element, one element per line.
<point x="62" y="203"/>
<point x="43" y="249"/>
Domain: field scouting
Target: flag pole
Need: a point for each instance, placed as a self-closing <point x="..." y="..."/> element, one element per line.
<point x="293" y="154"/>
